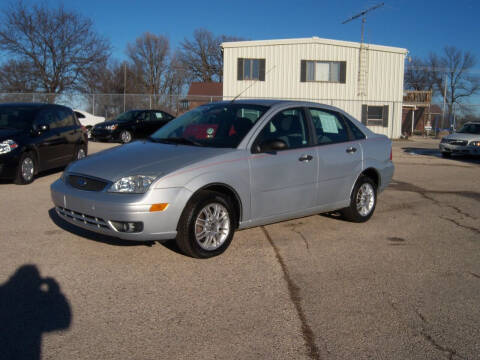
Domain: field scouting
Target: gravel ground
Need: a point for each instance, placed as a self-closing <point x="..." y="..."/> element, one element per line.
<point x="405" y="285"/>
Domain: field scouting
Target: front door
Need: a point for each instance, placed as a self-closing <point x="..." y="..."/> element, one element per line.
<point x="284" y="181"/>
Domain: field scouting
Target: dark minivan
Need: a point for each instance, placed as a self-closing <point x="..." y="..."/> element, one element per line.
<point x="38" y="137"/>
<point x="131" y="124"/>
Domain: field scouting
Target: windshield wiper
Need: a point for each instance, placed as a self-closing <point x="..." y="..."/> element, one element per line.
<point x="176" y="140"/>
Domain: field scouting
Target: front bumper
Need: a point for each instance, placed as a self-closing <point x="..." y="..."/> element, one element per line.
<point x="103" y="134"/>
<point x="9" y="164"/>
<point x="457" y="149"/>
<point x="95" y="210"/>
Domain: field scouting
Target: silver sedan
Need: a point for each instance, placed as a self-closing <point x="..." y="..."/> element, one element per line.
<point x="227" y="166"/>
<point x="465" y="141"/>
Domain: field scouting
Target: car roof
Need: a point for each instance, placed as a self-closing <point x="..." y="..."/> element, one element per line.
<point x="267" y="102"/>
<point x="33" y="105"/>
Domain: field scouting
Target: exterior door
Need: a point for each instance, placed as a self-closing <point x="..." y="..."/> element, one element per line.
<point x="284" y="181"/>
<point x="339" y="158"/>
<point x="51" y="145"/>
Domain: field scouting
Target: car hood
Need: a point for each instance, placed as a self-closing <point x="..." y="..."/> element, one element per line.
<point x="463" y="136"/>
<point x="106" y="123"/>
<point x="6" y="134"/>
<point x="142" y="158"/>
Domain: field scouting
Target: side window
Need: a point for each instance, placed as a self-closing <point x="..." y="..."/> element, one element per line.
<point x="356" y="132"/>
<point x="329" y="127"/>
<point x="65" y="118"/>
<point x="289" y="126"/>
<point x="144" y="116"/>
<point x="47" y="117"/>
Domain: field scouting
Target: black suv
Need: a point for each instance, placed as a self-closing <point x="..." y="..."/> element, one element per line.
<point x="131" y="124"/>
<point x="37" y="137"/>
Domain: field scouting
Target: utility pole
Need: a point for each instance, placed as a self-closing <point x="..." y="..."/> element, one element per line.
<point x="124" y="84"/>
<point x="444" y="100"/>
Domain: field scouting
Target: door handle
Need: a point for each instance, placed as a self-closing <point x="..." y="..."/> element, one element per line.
<point x="305" y="158"/>
<point x="351" y="150"/>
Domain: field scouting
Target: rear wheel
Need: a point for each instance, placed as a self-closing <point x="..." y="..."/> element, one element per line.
<point x="125" y="136"/>
<point x="26" y="169"/>
<point x="206" y="226"/>
<point x="362" y="202"/>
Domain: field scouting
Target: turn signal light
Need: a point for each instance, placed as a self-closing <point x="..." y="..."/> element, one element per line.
<point x="158" y="207"/>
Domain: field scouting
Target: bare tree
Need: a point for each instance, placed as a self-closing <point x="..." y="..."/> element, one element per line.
<point x="418" y="76"/>
<point x="457" y="66"/>
<point x="202" y="56"/>
<point x="17" y="77"/>
<point x="149" y="54"/>
<point x="60" y="47"/>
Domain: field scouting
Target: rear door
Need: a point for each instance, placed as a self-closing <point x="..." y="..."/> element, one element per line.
<point x="70" y="132"/>
<point x="284" y="182"/>
<point x="339" y="156"/>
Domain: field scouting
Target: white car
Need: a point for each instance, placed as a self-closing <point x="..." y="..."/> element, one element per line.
<point x="88" y="120"/>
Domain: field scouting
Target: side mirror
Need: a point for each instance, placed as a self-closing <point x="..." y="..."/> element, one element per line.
<point x="271" y="146"/>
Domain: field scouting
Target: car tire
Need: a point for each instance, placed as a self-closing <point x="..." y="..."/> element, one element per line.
<point x="446" y="154"/>
<point x="26" y="170"/>
<point x="362" y="201"/>
<point x="125" y="136"/>
<point x="206" y="226"/>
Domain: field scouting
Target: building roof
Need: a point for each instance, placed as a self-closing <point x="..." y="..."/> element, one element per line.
<point x="205" y="89"/>
<point x="312" y="40"/>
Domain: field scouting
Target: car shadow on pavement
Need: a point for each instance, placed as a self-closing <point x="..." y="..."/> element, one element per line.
<point x="30" y="306"/>
<point x="470" y="159"/>
<point x="90" y="235"/>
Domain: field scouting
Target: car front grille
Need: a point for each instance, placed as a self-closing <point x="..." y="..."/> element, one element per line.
<point x="458" y="142"/>
<point x="83" y="218"/>
<point x="86" y="183"/>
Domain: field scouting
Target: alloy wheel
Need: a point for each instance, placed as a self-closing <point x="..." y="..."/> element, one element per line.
<point x="212" y="226"/>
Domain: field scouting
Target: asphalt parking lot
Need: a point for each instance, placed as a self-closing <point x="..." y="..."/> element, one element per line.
<point x="405" y="285"/>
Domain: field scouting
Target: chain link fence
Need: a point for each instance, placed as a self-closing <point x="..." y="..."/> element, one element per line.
<point x="399" y="114"/>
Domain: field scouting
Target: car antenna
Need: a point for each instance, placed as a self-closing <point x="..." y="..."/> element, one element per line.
<point x="248" y="87"/>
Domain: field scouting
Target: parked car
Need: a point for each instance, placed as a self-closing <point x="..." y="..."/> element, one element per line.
<point x="38" y="137"/>
<point x="131" y="124"/>
<point x="88" y="120"/>
<point x="465" y="141"/>
<point x="227" y="166"/>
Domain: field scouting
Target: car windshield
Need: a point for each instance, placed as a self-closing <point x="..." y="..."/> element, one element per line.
<point x="17" y="117"/>
<point x="127" y="116"/>
<point x="213" y="125"/>
<point x="470" y="129"/>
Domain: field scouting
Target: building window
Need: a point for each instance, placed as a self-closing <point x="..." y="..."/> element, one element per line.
<point x="323" y="71"/>
<point x="251" y="69"/>
<point x="375" y="115"/>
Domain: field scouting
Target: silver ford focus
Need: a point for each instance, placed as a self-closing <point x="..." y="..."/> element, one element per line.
<point x="227" y="166"/>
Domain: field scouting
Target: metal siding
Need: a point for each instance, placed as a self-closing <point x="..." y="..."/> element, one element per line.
<point x="282" y="78"/>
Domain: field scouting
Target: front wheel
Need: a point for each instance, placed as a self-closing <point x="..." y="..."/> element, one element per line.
<point x="445" y="154"/>
<point x="125" y="136"/>
<point x="26" y="169"/>
<point x="362" y="201"/>
<point x="206" y="226"/>
<point x="81" y="153"/>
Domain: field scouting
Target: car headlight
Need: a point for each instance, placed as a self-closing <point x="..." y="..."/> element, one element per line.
<point x="111" y="127"/>
<point x="475" y="143"/>
<point x="7" y="146"/>
<point x="137" y="184"/>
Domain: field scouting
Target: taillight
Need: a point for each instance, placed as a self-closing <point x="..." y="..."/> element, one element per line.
<point x="84" y="129"/>
<point x="391" y="154"/>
